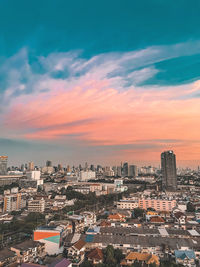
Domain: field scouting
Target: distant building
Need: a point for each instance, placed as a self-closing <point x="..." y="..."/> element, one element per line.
<point x="168" y="167"/>
<point x="87" y="175"/>
<point x="125" y="169"/>
<point x="48" y="169"/>
<point x="35" y="175"/>
<point x="3" y="165"/>
<point x="48" y="163"/>
<point x="31" y="166"/>
<point x="133" y="171"/>
<point x="119" y="171"/>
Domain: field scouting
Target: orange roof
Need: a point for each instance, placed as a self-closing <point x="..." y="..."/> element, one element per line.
<point x="96" y="254"/>
<point x="157" y="219"/>
<point x="116" y="216"/>
<point x="79" y="244"/>
<point x="148" y="258"/>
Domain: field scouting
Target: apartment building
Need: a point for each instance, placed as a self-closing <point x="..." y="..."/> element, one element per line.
<point x="156" y="204"/>
<point x="13" y="202"/>
<point x="36" y="205"/>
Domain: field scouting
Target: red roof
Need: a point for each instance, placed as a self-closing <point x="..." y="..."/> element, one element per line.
<point x="95" y="254"/>
<point x="157" y="219"/>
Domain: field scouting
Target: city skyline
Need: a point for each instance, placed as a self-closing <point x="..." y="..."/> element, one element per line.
<point x="101" y="85"/>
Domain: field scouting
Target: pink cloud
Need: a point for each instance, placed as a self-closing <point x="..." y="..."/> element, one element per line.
<point x="95" y="112"/>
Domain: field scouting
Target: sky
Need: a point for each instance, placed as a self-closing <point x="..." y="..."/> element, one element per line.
<point x="99" y="81"/>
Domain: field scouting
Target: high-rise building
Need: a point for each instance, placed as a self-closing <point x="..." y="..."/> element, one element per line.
<point x="13" y="202"/>
<point x="133" y="171"/>
<point x="119" y="171"/>
<point x="168" y="168"/>
<point x="31" y="166"/>
<point x="3" y="165"/>
<point x="48" y="163"/>
<point x="125" y="169"/>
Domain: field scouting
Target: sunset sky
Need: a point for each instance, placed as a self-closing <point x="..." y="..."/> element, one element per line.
<point x="99" y="81"/>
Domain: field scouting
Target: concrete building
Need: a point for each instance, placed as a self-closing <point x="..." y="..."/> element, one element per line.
<point x="36" y="205"/>
<point x="13" y="202"/>
<point x="87" y="175"/>
<point x="127" y="204"/>
<point x="168" y="167"/>
<point x="52" y="236"/>
<point x="3" y="165"/>
<point x="157" y="204"/>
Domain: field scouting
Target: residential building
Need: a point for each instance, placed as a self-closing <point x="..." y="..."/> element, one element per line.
<point x="156" y="204"/>
<point x="13" y="202"/>
<point x="28" y="251"/>
<point x="95" y="256"/>
<point x="7" y="257"/>
<point x="36" y="205"/>
<point x="143" y="258"/>
<point x="127" y="204"/>
<point x="185" y="257"/>
<point x="76" y="252"/>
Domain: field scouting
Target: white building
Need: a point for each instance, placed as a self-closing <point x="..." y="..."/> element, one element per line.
<point x="36" y="205"/>
<point x="35" y="175"/>
<point x="87" y="175"/>
<point x="127" y="204"/>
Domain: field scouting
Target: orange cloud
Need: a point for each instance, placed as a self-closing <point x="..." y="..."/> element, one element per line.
<point x="93" y="111"/>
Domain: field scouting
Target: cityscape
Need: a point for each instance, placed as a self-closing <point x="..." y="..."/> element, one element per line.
<point x="95" y="215"/>
<point x="99" y="133"/>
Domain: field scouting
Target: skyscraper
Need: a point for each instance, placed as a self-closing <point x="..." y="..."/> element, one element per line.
<point x="168" y="168"/>
<point x="133" y="172"/>
<point x="48" y="163"/>
<point x="3" y="165"/>
<point x="125" y="169"/>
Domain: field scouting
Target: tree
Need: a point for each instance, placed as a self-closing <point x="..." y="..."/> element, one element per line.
<point x="109" y="255"/>
<point x="86" y="263"/>
<point x="190" y="207"/>
<point x="118" y="255"/>
<point x="138" y="212"/>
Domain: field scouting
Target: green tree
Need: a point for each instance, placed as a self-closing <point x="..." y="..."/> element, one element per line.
<point x="86" y="263"/>
<point x="138" y="212"/>
<point x="109" y="255"/>
<point x="190" y="207"/>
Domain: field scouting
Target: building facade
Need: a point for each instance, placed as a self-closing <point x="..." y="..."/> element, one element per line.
<point x="168" y="167"/>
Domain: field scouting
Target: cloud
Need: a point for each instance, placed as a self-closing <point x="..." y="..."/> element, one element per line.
<point x="100" y="101"/>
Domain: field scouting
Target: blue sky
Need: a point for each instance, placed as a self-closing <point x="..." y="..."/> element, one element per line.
<point x="132" y="45"/>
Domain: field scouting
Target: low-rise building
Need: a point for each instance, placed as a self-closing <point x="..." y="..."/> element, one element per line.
<point x="36" y="205"/>
<point x="127" y="204"/>
<point x="143" y="258"/>
<point x="29" y="251"/>
<point x="76" y="253"/>
<point x="7" y="257"/>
